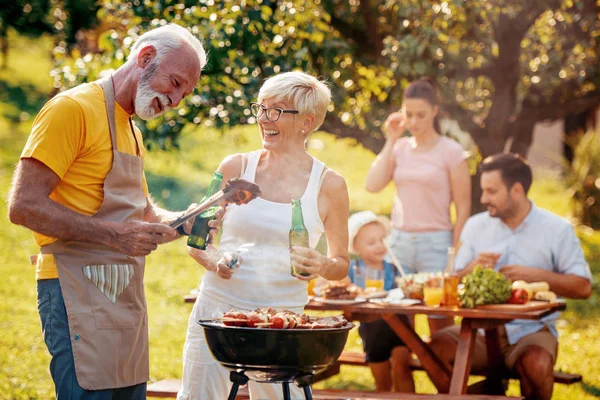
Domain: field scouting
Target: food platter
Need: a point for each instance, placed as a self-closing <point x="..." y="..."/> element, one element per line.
<point x="374" y="295"/>
<point x="340" y="302"/>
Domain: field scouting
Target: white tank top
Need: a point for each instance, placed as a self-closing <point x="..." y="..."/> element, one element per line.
<point x="258" y="231"/>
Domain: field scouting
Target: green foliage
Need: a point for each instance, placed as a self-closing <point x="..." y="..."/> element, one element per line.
<point x="584" y="180"/>
<point x="28" y="17"/>
<point x="484" y="286"/>
<point x="496" y="62"/>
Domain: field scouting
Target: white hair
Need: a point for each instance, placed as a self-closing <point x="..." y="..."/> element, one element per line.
<point x="166" y="39"/>
<point x="308" y="94"/>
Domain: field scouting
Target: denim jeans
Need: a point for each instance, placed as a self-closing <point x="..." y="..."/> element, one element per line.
<point x="421" y="252"/>
<point x="55" y="327"/>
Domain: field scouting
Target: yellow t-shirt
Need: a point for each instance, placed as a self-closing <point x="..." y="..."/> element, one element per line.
<point x="70" y="135"/>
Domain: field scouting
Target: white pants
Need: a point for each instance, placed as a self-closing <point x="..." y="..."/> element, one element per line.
<point x="203" y="377"/>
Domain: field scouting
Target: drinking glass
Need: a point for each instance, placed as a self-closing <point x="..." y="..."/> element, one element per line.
<point x="433" y="291"/>
<point x="374" y="279"/>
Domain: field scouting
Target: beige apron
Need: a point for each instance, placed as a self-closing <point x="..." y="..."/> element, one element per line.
<point x="103" y="289"/>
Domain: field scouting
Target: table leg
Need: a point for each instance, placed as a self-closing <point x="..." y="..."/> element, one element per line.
<point x="435" y="368"/>
<point x="495" y="363"/>
<point x="462" y="362"/>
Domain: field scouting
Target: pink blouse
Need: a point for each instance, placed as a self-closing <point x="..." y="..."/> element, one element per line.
<point x="423" y="185"/>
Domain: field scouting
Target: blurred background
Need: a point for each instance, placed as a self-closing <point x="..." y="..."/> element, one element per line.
<point x="514" y="75"/>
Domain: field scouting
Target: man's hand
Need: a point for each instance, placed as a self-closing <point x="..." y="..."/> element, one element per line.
<point x="522" y="273"/>
<point x="487" y="260"/>
<point x="136" y="238"/>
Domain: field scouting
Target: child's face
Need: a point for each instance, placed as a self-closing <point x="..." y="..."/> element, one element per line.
<point x="369" y="243"/>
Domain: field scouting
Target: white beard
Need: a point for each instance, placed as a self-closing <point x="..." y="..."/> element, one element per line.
<point x="144" y="96"/>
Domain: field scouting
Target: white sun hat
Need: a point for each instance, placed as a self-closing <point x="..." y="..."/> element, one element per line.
<point x="360" y="219"/>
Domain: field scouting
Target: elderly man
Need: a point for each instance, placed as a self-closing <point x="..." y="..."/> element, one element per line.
<point x="80" y="187"/>
<point x="527" y="243"/>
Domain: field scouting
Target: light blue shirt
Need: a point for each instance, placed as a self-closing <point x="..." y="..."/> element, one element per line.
<point x="543" y="240"/>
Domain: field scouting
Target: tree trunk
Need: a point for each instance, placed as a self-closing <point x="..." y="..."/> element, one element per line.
<point x="488" y="145"/>
<point x="522" y="137"/>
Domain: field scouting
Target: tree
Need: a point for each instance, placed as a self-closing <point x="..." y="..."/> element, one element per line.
<point x="33" y="18"/>
<point x="502" y="65"/>
<point x="28" y="17"/>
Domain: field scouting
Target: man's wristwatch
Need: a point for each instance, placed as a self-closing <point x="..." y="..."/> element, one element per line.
<point x="181" y="231"/>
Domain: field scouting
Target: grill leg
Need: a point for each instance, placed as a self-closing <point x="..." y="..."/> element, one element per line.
<point x="238" y="379"/>
<point x="307" y="392"/>
<point x="286" y="391"/>
<point x="304" y="382"/>
<point x="233" y="392"/>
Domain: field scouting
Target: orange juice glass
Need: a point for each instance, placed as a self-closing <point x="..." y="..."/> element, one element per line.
<point x="433" y="291"/>
<point x="374" y="279"/>
<point x="433" y="296"/>
<point x="374" y="283"/>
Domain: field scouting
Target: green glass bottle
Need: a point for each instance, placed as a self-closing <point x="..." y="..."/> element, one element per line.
<point x="199" y="235"/>
<point x="298" y="233"/>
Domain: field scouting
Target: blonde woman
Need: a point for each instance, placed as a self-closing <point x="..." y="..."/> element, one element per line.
<point x="289" y="108"/>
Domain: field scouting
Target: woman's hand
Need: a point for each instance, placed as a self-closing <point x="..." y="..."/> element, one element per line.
<point x="309" y="261"/>
<point x="215" y="224"/>
<point x="211" y="259"/>
<point x="227" y="265"/>
<point x="394" y="126"/>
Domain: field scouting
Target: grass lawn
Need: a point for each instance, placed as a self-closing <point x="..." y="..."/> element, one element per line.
<point x="177" y="178"/>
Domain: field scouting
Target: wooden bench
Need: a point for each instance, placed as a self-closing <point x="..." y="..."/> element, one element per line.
<point x="169" y="388"/>
<point x="358" y="359"/>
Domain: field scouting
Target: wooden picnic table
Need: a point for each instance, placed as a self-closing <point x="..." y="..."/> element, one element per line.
<point x="455" y="381"/>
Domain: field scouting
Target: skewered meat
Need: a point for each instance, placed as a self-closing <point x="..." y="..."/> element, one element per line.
<point x="271" y="318"/>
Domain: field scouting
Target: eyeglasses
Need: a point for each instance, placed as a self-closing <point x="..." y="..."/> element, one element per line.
<point x="272" y="114"/>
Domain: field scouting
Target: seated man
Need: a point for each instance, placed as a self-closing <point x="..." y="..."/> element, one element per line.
<point x="527" y="243"/>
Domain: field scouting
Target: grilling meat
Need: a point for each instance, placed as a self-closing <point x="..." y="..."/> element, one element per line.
<point x="271" y="318"/>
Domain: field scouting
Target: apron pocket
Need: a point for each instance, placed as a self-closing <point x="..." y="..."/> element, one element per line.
<point x="111" y="279"/>
<point x="106" y="283"/>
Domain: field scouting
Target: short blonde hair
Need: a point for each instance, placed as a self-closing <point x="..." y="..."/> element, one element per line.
<point x="308" y="94"/>
<point x="166" y="39"/>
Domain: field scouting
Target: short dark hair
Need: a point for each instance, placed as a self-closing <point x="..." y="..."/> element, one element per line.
<point x="513" y="168"/>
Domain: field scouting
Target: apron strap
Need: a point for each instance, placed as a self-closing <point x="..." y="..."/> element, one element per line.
<point x="109" y="96"/>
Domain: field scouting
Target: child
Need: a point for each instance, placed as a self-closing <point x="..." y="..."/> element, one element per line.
<point x="387" y="356"/>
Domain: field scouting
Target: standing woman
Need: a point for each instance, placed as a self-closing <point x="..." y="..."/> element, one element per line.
<point x="430" y="172"/>
<point x="290" y="107"/>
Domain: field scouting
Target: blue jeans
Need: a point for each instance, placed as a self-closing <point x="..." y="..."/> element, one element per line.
<point x="55" y="327"/>
<point x="424" y="252"/>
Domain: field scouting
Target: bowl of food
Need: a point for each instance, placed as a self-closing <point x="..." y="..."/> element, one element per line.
<point x="412" y="285"/>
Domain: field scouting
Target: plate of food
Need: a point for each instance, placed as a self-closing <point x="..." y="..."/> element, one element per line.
<point x="340" y="293"/>
<point x="373" y="293"/>
<point x="340" y="302"/>
<point x="396" y="302"/>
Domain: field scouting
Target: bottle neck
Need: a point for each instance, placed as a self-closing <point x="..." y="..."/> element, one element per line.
<point x="297" y="219"/>
<point x="215" y="186"/>
<point x="450" y="264"/>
